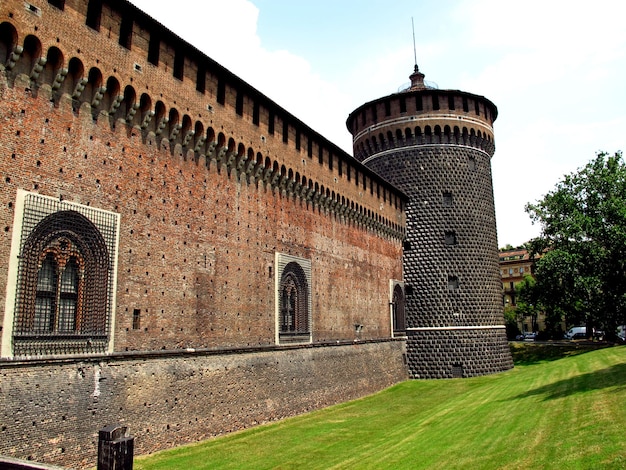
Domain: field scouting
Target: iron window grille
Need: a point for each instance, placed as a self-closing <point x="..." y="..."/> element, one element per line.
<point x="294" y="299"/>
<point x="65" y="278"/>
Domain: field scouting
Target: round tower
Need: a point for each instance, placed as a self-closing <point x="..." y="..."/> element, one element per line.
<point x="436" y="146"/>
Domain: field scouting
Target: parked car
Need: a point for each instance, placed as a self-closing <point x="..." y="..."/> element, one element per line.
<point x="577" y="332"/>
<point x="530" y="336"/>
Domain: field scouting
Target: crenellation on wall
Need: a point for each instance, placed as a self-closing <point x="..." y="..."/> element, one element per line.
<point x="125" y="61"/>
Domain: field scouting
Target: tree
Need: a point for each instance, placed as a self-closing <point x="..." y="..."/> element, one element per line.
<point x="528" y="303"/>
<point x="582" y="274"/>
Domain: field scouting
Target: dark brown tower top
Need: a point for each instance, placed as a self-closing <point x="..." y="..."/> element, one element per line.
<point x="417" y="80"/>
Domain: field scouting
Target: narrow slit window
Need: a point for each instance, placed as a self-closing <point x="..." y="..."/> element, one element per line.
<point x="179" y="64"/>
<point x="450" y="238"/>
<point x="239" y="103"/>
<point x="451" y="102"/>
<point x="472" y="163"/>
<point x="94" y="14"/>
<point x="255" y="113"/>
<point x="136" y="319"/>
<point x="435" y="102"/>
<point x="126" y="32"/>
<point x="201" y="79"/>
<point x="221" y="91"/>
<point x="154" y="48"/>
<point x="270" y="122"/>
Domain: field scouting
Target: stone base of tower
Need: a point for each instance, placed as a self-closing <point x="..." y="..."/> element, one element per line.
<point x="446" y="353"/>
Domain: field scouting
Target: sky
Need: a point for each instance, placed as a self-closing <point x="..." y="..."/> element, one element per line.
<point x="555" y="69"/>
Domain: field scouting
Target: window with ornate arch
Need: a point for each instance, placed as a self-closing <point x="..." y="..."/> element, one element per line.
<point x="398" y="310"/>
<point x="59" y="288"/>
<point x="63" y="272"/>
<point x="293" y="299"/>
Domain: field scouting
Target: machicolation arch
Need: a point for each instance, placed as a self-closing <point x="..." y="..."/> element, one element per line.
<point x="107" y="98"/>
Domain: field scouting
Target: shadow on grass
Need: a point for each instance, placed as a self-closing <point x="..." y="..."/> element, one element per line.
<point x="525" y="354"/>
<point x="609" y="377"/>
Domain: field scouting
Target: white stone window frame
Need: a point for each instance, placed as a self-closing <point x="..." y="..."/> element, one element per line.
<point x="281" y="261"/>
<point x="25" y="200"/>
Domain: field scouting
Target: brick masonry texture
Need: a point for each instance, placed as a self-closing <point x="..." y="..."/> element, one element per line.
<point x="198" y="233"/>
<point x="52" y="411"/>
<point x="448" y="354"/>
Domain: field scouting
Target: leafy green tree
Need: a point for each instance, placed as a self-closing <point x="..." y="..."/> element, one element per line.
<point x="510" y="322"/>
<point x="528" y="302"/>
<point x="582" y="274"/>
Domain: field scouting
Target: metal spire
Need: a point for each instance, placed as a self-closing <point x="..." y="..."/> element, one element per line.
<point x="414" y="48"/>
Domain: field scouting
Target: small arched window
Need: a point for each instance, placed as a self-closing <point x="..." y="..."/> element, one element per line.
<point x="398" y="311"/>
<point x="294" y="302"/>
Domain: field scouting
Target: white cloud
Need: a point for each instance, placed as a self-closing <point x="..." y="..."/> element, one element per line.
<point x="227" y="32"/>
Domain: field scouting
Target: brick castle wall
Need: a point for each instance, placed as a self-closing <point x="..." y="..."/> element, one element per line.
<point x="52" y="411"/>
<point x="211" y="180"/>
<point x="201" y="222"/>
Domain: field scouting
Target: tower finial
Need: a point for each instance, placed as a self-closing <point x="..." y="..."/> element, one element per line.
<point x="416" y="69"/>
<point x="417" y="77"/>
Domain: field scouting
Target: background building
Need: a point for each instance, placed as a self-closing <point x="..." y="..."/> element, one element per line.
<point x="515" y="265"/>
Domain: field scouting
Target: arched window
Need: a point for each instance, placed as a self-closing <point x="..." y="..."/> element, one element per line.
<point x="64" y="283"/>
<point x="294" y="316"/>
<point x="56" y="300"/>
<point x="46" y="295"/>
<point x="398" y="311"/>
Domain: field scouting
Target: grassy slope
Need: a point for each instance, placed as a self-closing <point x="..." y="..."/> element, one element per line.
<point x="560" y="413"/>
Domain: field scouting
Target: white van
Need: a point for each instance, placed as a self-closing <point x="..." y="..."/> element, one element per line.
<point x="577" y="332"/>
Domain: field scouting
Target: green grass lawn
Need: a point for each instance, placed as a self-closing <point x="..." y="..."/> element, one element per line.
<point x="558" y="408"/>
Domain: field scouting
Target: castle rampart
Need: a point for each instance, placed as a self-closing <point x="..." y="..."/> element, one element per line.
<point x="154" y="206"/>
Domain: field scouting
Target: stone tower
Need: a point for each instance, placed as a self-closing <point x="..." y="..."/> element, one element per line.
<point x="436" y="146"/>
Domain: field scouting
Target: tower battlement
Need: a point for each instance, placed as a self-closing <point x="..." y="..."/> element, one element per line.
<point x="421" y="117"/>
